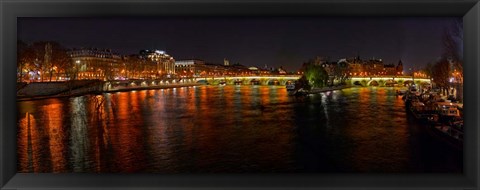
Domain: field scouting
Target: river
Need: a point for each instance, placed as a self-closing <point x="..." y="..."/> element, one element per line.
<point x="228" y="129"/>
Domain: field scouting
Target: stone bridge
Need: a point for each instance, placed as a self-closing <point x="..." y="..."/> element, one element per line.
<point x="260" y="80"/>
<point x="248" y="80"/>
<point x="387" y="80"/>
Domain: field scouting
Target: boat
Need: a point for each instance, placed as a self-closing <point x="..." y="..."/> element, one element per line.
<point x="301" y="93"/>
<point x="410" y="94"/>
<point x="419" y="109"/>
<point x="447" y="109"/>
<point x="451" y="133"/>
<point x="298" y="93"/>
<point x="290" y="87"/>
<point x="409" y="98"/>
<point x="446" y="113"/>
<point x="442" y="117"/>
<point x="447" y="122"/>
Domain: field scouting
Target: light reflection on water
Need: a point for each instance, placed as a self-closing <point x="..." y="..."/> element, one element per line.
<point x="228" y="129"/>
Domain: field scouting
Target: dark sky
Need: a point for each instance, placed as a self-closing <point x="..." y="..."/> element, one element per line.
<point x="251" y="41"/>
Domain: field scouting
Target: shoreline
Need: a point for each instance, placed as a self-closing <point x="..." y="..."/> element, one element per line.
<point x="21" y="99"/>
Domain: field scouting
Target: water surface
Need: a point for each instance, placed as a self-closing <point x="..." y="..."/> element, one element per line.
<point x="228" y="129"/>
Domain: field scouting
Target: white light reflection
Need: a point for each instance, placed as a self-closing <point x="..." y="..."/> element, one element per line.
<point x="78" y="137"/>
<point x="325" y="110"/>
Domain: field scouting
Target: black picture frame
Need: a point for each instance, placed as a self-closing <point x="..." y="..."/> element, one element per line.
<point x="10" y="10"/>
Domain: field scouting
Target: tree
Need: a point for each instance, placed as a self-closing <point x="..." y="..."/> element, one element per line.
<point x="453" y="41"/>
<point x="451" y="62"/>
<point x="25" y="59"/>
<point x="39" y="55"/>
<point x="61" y="61"/>
<point x="49" y="58"/>
<point x="441" y="74"/>
<point x="71" y="71"/>
<point x="428" y="69"/>
<point x="316" y="75"/>
<point x="453" y="46"/>
<point x="302" y="83"/>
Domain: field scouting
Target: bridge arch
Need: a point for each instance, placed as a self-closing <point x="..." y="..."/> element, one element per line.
<point x="390" y="82"/>
<point x="238" y="81"/>
<point x="254" y="81"/>
<point x="373" y="83"/>
<point x="230" y="81"/>
<point x="287" y="81"/>
<point x="133" y="83"/>
<point x="215" y="81"/>
<point x="364" y="82"/>
<point x="382" y="82"/>
<point x="273" y="82"/>
<point x="408" y="82"/>
<point x="400" y="82"/>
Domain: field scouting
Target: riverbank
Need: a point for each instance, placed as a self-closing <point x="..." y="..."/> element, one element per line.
<point x="86" y="92"/>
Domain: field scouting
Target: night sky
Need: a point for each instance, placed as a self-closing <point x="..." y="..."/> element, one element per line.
<point x="252" y="41"/>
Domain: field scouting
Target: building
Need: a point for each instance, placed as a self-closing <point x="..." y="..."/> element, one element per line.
<point x="138" y="67"/>
<point x="93" y="63"/>
<point x="400" y="68"/>
<point x="226" y="62"/>
<point x="281" y="71"/>
<point x="390" y="69"/>
<point x="239" y="70"/>
<point x="200" y="68"/>
<point x="216" y="70"/>
<point x="258" y="71"/>
<point x="190" y="68"/>
<point x="165" y="64"/>
<point x="371" y="67"/>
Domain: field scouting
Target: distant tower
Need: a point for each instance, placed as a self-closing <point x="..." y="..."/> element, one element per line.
<point x="400" y="66"/>
<point x="226" y="62"/>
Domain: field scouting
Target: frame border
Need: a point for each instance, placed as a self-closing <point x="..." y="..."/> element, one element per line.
<point x="10" y="10"/>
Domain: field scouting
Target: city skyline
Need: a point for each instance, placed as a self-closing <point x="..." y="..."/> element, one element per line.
<point x="272" y="41"/>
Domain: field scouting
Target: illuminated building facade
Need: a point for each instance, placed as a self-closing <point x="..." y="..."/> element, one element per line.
<point x="165" y="64"/>
<point x="93" y="63"/>
<point x="372" y="67"/>
<point x="199" y="68"/>
<point x="259" y="71"/>
<point x="189" y="68"/>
